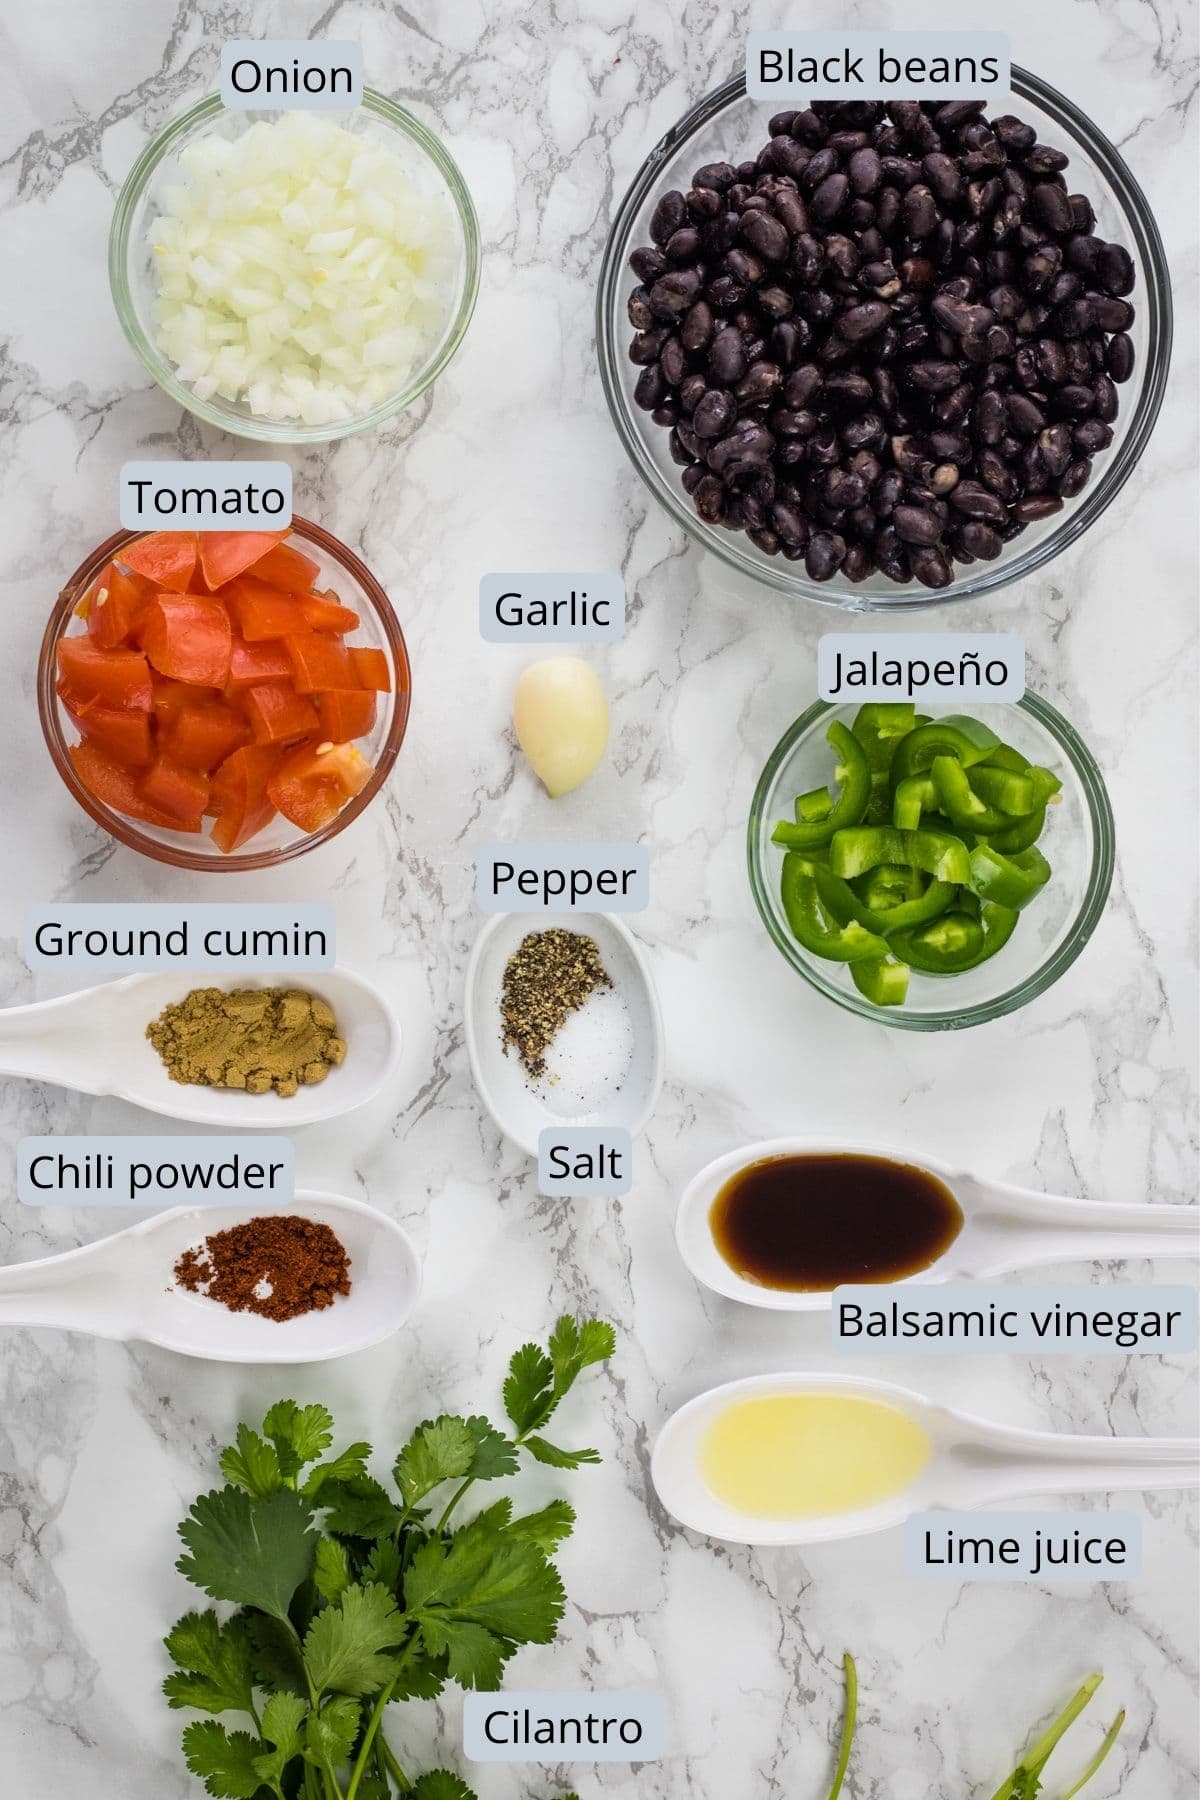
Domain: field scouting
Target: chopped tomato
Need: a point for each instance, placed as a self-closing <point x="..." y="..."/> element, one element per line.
<point x="239" y="795"/>
<point x="188" y="636"/>
<point x="262" y="611"/>
<point x="125" y="736"/>
<point x="117" y="787"/>
<point x="346" y="714"/>
<point x="166" y="558"/>
<point x="108" y="677"/>
<point x="113" y="604"/>
<point x="224" y="554"/>
<point x="371" y="668"/>
<point x="319" y="661"/>
<point x="324" y="612"/>
<point x="278" y="714"/>
<point x="170" y="788"/>
<point x="287" y="568"/>
<point x="203" y="734"/>
<point x="314" y="782"/>
<point x="251" y="663"/>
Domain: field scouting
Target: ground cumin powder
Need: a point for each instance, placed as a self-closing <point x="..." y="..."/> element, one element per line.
<point x="252" y="1039"/>
<point x="279" y="1266"/>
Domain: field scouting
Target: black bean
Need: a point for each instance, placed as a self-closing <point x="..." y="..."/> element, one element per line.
<point x="844" y="488"/>
<point x="788" y="157"/>
<point x="933" y="377"/>
<point x="1055" y="448"/>
<point x="1025" y="416"/>
<point x="830" y="197"/>
<point x="692" y="391"/>
<point x="673" y="294"/>
<point x="760" y="383"/>
<point x="943" y="175"/>
<point x="865" y="171"/>
<point x="845" y="389"/>
<point x="718" y="175"/>
<point x="1091" y="436"/>
<point x="978" y="539"/>
<point x="673" y="362"/>
<point x="693" y="473"/>
<point x="1119" y="357"/>
<point x="990" y="417"/>
<point x="916" y="525"/>
<point x="1115" y="269"/>
<point x="1038" y="506"/>
<point x="919" y="212"/>
<point x="715" y="414"/>
<point x="668" y="216"/>
<point x="709" y="499"/>
<point x="978" y="502"/>
<point x="748" y="445"/>
<point x="727" y="356"/>
<point x="1104" y="404"/>
<point x="824" y="555"/>
<point x="863" y="321"/>
<point x="1075" y="400"/>
<point x="766" y="235"/>
<point x="930" y="567"/>
<point x="644" y="348"/>
<point x="1051" y="207"/>
<point x="1075" y="479"/>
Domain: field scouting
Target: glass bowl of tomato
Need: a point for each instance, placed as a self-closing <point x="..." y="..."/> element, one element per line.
<point x="223" y="700"/>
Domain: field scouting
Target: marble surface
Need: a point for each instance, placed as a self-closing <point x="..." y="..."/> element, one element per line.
<point x="512" y="463"/>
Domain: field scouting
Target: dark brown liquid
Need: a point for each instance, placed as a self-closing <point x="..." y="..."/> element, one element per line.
<point x="808" y="1223"/>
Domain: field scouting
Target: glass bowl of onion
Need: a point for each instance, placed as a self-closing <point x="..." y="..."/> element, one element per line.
<point x="295" y="276"/>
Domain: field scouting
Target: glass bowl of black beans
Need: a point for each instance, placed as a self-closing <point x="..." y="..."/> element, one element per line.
<point x="885" y="354"/>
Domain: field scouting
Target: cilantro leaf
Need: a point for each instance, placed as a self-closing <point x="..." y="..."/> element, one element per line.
<point x="283" y="1727"/>
<point x="252" y="1464"/>
<point x="496" y="1581"/>
<point x="331" y="1568"/>
<point x="384" y="1565"/>
<point x="214" y="1673"/>
<point x="554" y="1458"/>
<point x="331" y="1733"/>
<point x="575" y="1347"/>
<point x="255" y="1554"/>
<point x="299" y="1433"/>
<point x="528" y="1387"/>
<point x="423" y="1675"/>
<point x="495" y="1454"/>
<point x="475" y="1656"/>
<point x="359" y="1507"/>
<point x="275" y="1653"/>
<point x="349" y="1464"/>
<point x="440" y="1784"/>
<point x="223" y="1760"/>
<point x="546" y="1528"/>
<point x="343" y="1645"/>
<point x="438" y="1450"/>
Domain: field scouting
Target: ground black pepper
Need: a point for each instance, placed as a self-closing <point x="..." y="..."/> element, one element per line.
<point x="548" y="977"/>
<point x="279" y="1266"/>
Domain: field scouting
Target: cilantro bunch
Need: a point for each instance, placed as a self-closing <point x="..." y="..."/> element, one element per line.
<point x="351" y="1595"/>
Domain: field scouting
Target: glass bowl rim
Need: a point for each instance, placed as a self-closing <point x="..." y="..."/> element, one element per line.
<point x="281" y="431"/>
<point x="986" y="577"/>
<point x="126" y="830"/>
<point x="1086" y="918"/>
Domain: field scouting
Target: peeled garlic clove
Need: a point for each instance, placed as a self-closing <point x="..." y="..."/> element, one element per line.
<point x="561" y="720"/>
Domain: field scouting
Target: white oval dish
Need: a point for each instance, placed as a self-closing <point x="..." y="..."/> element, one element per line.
<point x="95" y="1042"/>
<point x="518" y="1107"/>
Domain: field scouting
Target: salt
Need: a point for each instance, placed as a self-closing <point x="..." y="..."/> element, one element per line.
<point x="589" y="1060"/>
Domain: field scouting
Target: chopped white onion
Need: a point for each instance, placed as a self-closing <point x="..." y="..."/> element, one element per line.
<point x="301" y="270"/>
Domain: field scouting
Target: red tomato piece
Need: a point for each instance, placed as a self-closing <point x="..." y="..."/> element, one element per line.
<point x="287" y="568"/>
<point x="324" y="612"/>
<point x="165" y="558"/>
<point x="117" y="787"/>
<point x="371" y="668"/>
<point x="170" y="788"/>
<point x="203" y="733"/>
<point x="239" y="795"/>
<point x="189" y="637"/>
<point x="262" y="611"/>
<point x="109" y="677"/>
<point x="346" y="714"/>
<point x="113" y="604"/>
<point x="125" y="736"/>
<point x="251" y="663"/>
<point x="314" y="782"/>
<point x="224" y="554"/>
<point x="278" y="714"/>
<point x="319" y="661"/>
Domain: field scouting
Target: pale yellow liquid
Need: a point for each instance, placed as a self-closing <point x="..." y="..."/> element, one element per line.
<point x="805" y="1456"/>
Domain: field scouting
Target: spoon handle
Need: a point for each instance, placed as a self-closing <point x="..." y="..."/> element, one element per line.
<point x="1021" y="1464"/>
<point x="72" y="1292"/>
<point x="1034" y="1229"/>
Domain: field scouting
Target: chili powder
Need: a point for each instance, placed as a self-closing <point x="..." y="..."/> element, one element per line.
<point x="279" y="1266"/>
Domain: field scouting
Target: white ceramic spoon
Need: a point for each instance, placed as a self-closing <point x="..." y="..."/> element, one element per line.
<point x="122" y="1287"/>
<point x="95" y="1042"/>
<point x="522" y="1109"/>
<point x="974" y="1464"/>
<point x="1004" y="1228"/>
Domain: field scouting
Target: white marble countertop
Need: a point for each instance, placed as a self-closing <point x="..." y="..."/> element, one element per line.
<point x="512" y="463"/>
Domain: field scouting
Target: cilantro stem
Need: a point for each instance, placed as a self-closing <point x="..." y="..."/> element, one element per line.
<point x="1110" y="1738"/>
<point x="1036" y="1758"/>
<point x="385" y="1694"/>
<point x="461" y="1490"/>
<point x="394" y="1769"/>
<point x="849" y="1721"/>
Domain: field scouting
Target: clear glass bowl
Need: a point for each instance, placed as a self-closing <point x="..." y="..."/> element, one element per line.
<point x="280" y="841"/>
<point x="1053" y="928"/>
<point x="728" y="125"/>
<point x="131" y="260"/>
